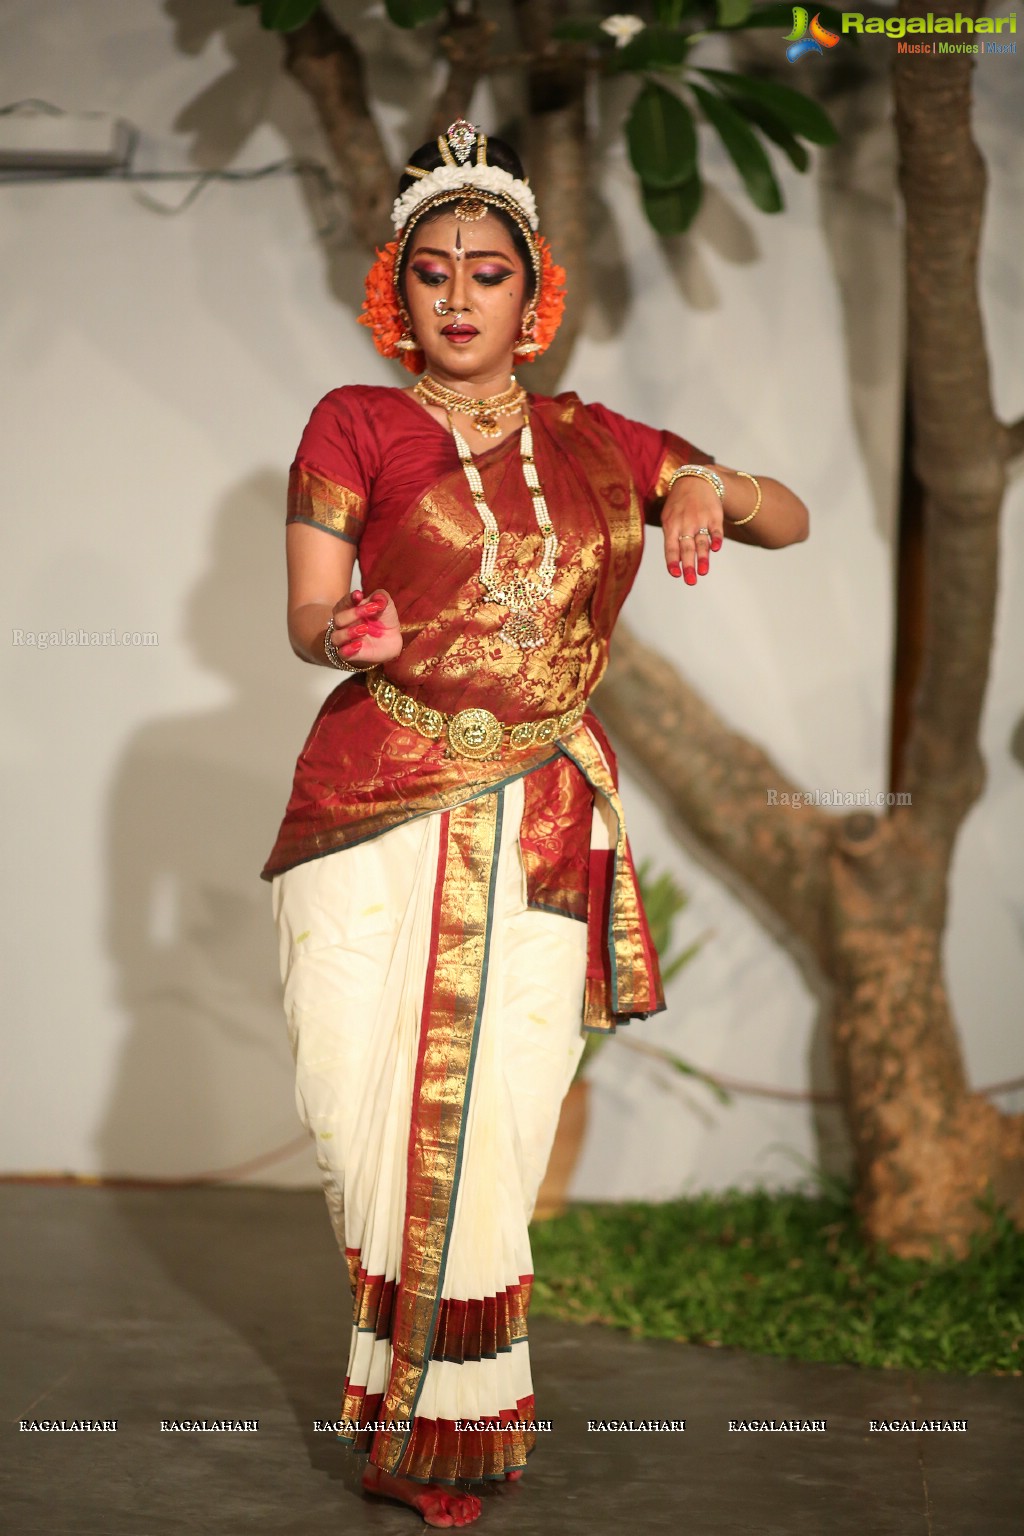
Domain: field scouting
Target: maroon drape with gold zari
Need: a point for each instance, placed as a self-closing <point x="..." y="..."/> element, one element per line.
<point x="374" y="468"/>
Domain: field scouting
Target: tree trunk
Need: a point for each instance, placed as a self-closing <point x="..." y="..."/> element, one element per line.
<point x="557" y="155"/>
<point x="869" y="894"/>
<point x="925" y="1147"/>
<point x="466" y="43"/>
<point x="329" y="68"/>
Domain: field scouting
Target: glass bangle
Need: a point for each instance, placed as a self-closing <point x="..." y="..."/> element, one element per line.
<point x="703" y="473"/>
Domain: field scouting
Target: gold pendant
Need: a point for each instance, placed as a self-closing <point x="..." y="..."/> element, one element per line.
<point x="522" y="630"/>
<point x="487" y="424"/>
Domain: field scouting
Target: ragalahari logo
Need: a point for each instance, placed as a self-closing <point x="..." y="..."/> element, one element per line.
<point x="800" y="43"/>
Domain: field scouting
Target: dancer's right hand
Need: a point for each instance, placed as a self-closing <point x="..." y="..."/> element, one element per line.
<point x="366" y="628"/>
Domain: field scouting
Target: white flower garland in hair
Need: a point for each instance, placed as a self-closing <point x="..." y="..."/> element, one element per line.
<point x="449" y="178"/>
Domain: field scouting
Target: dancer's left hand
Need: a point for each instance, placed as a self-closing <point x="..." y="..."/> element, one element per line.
<point x="692" y="522"/>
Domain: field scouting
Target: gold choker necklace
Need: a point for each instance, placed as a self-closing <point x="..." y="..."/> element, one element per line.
<point x="484" y="414"/>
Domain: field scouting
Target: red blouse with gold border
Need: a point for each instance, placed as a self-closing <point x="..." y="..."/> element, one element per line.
<point x="376" y="469"/>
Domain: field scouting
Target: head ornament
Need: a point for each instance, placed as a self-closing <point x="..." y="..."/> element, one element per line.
<point x="465" y="179"/>
<point x="457" y="172"/>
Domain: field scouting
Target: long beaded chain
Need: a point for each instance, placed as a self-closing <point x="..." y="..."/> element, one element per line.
<point x="520" y="594"/>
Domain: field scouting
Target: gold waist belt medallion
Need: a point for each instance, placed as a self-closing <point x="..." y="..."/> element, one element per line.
<point x="474" y="733"/>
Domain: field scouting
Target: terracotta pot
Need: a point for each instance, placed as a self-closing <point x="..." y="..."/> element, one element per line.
<point x="572" y="1125"/>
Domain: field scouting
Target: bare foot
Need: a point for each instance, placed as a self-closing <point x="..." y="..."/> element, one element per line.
<point x="514" y="1475"/>
<point x="438" y="1506"/>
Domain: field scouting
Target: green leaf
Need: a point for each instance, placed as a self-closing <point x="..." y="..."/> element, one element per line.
<point x="799" y="113"/>
<point x="675" y="965"/>
<point x="662" y="138"/>
<point x="779" y="18"/>
<point x="411" y="13"/>
<point x="581" y="29"/>
<point x="286" y="15"/>
<point x="732" y="13"/>
<point x="671" y="12"/>
<point x="774" y="129"/>
<point x="656" y="47"/>
<point x="774" y="16"/>
<point x="744" y="149"/>
<point x="671" y="210"/>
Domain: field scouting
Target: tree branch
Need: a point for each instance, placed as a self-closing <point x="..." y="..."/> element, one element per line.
<point x="329" y="68"/>
<point x="717" y="782"/>
<point x="557" y="155"/>
<point x="466" y="42"/>
<point x="1013" y="437"/>
<point x="960" y="447"/>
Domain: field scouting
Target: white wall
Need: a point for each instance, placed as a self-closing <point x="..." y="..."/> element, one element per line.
<point x="158" y="371"/>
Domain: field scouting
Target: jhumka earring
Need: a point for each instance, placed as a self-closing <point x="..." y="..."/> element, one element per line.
<point x="525" y="346"/>
<point x="407" y="341"/>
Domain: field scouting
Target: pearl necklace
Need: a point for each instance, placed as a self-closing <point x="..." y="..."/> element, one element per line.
<point x="520" y="594"/>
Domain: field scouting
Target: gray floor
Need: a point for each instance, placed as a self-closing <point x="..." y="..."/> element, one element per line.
<point x="143" y="1306"/>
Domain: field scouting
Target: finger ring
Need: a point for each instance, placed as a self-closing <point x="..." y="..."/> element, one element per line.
<point x="686" y="535"/>
<point x="704" y="530"/>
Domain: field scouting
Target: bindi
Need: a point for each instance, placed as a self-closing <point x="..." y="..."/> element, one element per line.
<point x="459" y="252"/>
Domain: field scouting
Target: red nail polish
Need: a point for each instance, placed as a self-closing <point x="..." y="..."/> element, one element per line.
<point x="350" y="648"/>
<point x="675" y="570"/>
<point x="690" y="576"/>
<point x="357" y="595"/>
<point x="716" y="543"/>
<point x="702" y="567"/>
<point x="357" y="629"/>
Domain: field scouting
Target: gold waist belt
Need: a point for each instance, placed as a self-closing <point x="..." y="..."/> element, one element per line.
<point x="472" y="732"/>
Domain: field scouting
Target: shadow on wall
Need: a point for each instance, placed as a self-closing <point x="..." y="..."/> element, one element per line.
<point x="194" y="808"/>
<point x="256" y="91"/>
<point x="833" y="1153"/>
<point x="861" y="222"/>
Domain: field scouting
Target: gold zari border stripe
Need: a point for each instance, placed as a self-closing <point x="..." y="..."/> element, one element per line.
<point x="453" y="1002"/>
<point x="314" y="499"/>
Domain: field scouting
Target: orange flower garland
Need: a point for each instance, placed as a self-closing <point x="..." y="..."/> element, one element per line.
<point x="381" y="306"/>
<point x="550" y="305"/>
<point x="381" y="310"/>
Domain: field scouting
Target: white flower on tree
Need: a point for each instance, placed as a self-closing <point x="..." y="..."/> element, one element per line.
<point x="622" y="28"/>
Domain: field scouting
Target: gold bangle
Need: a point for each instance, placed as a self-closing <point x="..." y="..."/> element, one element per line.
<point x="336" y="660"/>
<point x="737" y="522"/>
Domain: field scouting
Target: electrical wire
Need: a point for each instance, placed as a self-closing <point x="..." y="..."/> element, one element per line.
<point x="129" y="173"/>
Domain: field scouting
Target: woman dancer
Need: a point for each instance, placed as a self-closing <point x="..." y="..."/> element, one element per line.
<point x="452" y="881"/>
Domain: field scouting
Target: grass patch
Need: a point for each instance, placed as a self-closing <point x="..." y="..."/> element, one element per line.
<point x="782" y="1274"/>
